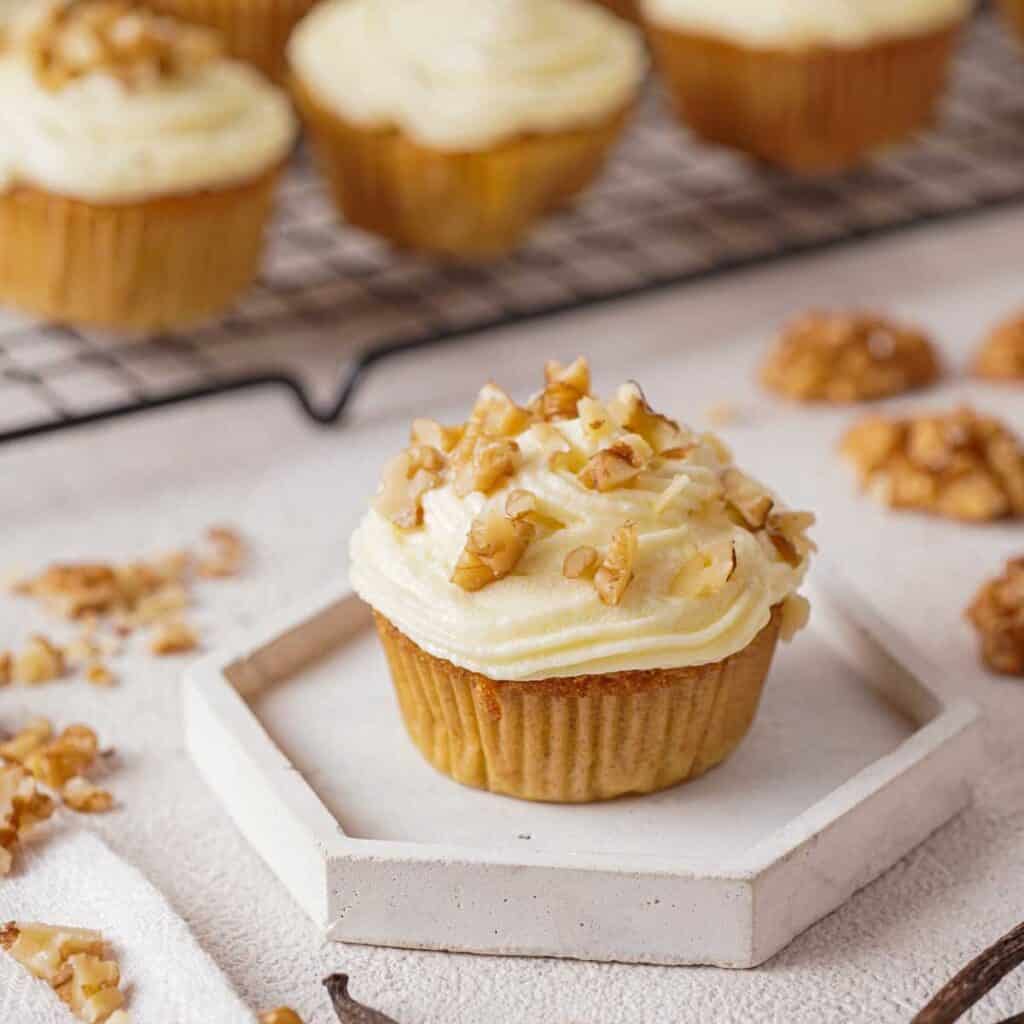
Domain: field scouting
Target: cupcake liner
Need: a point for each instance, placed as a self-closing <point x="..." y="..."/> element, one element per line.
<point x="1014" y="12"/>
<point x="255" y="31"/>
<point x="583" y="738"/>
<point x="815" y="110"/>
<point x="145" y="266"/>
<point x="462" y="204"/>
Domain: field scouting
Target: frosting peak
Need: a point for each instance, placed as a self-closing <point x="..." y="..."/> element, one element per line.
<point x="468" y="73"/>
<point x="574" y="537"/>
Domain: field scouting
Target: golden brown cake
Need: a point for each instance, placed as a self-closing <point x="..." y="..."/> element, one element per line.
<point x="848" y="357"/>
<point x="454" y="127"/>
<point x="1001" y="356"/>
<point x="810" y="87"/>
<point x="136" y="171"/>
<point x="997" y="612"/>
<point x="578" y="599"/>
<point x="960" y="465"/>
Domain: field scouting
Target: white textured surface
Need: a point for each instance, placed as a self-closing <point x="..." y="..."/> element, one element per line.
<point x="298" y="492"/>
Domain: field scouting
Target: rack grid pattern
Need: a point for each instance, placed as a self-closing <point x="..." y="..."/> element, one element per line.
<point x="332" y="302"/>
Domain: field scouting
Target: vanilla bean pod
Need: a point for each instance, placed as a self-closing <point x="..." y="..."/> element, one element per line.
<point x="347" y="1009"/>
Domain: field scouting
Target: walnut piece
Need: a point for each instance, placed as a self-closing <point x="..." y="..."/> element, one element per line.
<point x="494" y="545"/>
<point x="435" y="435"/>
<point x="747" y="497"/>
<point x="84" y="796"/>
<point x="282" y="1015"/>
<point x="6" y="668"/>
<point x="848" y="357"/>
<point x="580" y="563"/>
<point x="61" y="758"/>
<point x="564" y="387"/>
<point x="40" y="661"/>
<point x="615" y="572"/>
<point x="407" y="478"/>
<point x="1001" y="356"/>
<point x="226" y="554"/>
<point x="74" y="963"/>
<point x="174" y="636"/>
<point x="665" y="437"/>
<point x="997" y="613"/>
<point x="22" y="806"/>
<point x="492" y="462"/>
<point x="29" y="738"/>
<point x="616" y="465"/>
<point x="960" y="465"/>
<point x="706" y="571"/>
<point x="98" y="674"/>
<point x="68" y="39"/>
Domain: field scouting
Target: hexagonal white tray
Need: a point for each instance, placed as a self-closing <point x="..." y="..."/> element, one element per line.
<point x="854" y="759"/>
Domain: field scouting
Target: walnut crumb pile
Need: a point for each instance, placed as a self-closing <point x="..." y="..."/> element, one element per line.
<point x="75" y="962"/>
<point x="997" y="612"/>
<point x="848" y="357"/>
<point x="960" y="465"/>
<point x="1001" y="356"/>
<point x="69" y="39"/>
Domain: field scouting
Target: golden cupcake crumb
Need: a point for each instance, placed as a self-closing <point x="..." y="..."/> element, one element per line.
<point x="1001" y="357"/>
<point x="848" y="357"/>
<point x="961" y="465"/>
<point x="997" y="612"/>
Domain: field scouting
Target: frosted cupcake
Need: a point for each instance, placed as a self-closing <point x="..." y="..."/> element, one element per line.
<point x="137" y="168"/>
<point x="254" y="32"/>
<point x="577" y="599"/>
<point x="811" y="85"/>
<point x="452" y="126"/>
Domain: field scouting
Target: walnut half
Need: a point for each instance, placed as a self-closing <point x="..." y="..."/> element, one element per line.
<point x="494" y="546"/>
<point x="997" y="612"/>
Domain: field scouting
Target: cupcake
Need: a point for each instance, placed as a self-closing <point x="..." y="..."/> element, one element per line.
<point x="137" y="168"/>
<point x="810" y="85"/>
<point x="253" y="32"/>
<point x="452" y="126"/>
<point x="1014" y="12"/>
<point x="577" y="599"/>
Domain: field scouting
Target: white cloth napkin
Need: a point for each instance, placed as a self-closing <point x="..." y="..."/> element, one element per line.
<point x="73" y="878"/>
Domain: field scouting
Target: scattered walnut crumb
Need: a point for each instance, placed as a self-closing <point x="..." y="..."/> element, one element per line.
<point x="494" y="545"/>
<point x="495" y="415"/>
<point x="23" y="805"/>
<point x="63" y="757"/>
<point x="848" y="357"/>
<point x="282" y="1015"/>
<point x="226" y="554"/>
<point x="997" y="613"/>
<point x="173" y="637"/>
<point x="82" y="795"/>
<point x="960" y="465"/>
<point x="99" y="675"/>
<point x="29" y="738"/>
<point x="1001" y="356"/>
<point x="39" y="661"/>
<point x="580" y="563"/>
<point x="74" y="962"/>
<point x="617" y="465"/>
<point x="615" y="572"/>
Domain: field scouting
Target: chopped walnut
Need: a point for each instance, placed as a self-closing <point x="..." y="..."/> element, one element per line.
<point x="494" y="546"/>
<point x="786" y="531"/>
<point x="997" y="612"/>
<point x="595" y="419"/>
<point x="73" y="962"/>
<point x="99" y="675"/>
<point x="496" y="415"/>
<point x="226" y="554"/>
<point x="749" y="499"/>
<point x="69" y="39"/>
<point x="848" y="357"/>
<point x="564" y="387"/>
<point x="407" y="478"/>
<point x="960" y="465"/>
<point x="665" y="437"/>
<point x="6" y="668"/>
<point x="164" y="603"/>
<point x="22" y="806"/>
<point x="616" y="465"/>
<point x="491" y="464"/>
<point x="82" y="795"/>
<point x="1001" y="356"/>
<point x="796" y="613"/>
<point x="31" y="737"/>
<point x="62" y="758"/>
<point x="282" y="1015"/>
<point x="707" y="570"/>
<point x="435" y="435"/>
<point x="174" y="636"/>
<point x="615" y="572"/>
<point x="39" y="661"/>
<point x="580" y="563"/>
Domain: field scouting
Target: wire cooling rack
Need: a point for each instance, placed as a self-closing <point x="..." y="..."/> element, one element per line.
<point x="332" y="303"/>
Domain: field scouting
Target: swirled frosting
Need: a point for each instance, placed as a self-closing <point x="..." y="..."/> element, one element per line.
<point x="794" y="23"/>
<point x="464" y="74"/>
<point x="535" y="622"/>
<point x="99" y="140"/>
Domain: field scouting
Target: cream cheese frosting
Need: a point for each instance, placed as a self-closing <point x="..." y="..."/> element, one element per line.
<point x="535" y="623"/>
<point x="794" y="23"/>
<point x="98" y="140"/>
<point x="465" y="74"/>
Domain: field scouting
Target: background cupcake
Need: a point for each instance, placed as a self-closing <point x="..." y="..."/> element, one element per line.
<point x="255" y="31"/>
<point x="812" y="85"/>
<point x="453" y="126"/>
<point x="1014" y="12"/>
<point x="136" y="168"/>
<point x="577" y="599"/>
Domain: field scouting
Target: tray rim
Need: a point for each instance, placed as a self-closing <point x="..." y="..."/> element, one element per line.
<point x="227" y="741"/>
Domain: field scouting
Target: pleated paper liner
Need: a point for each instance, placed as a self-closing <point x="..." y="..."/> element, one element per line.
<point x="472" y="204"/>
<point x="147" y="266"/>
<point x="1014" y="12"/>
<point x="579" y="739"/>
<point x="813" y="110"/>
<point x="255" y="31"/>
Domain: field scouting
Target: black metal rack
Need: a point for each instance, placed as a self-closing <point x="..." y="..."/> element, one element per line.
<point x="332" y="303"/>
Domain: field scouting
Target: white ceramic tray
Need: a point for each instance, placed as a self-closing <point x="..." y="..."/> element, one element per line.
<point x="853" y="761"/>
